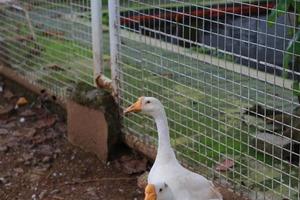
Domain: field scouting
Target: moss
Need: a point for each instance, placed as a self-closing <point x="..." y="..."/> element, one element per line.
<point x="87" y="95"/>
<point x="113" y="119"/>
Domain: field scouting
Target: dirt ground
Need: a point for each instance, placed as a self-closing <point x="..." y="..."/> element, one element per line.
<point x="37" y="162"/>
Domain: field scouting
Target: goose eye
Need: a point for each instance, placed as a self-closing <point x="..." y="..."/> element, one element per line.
<point x="160" y="189"/>
<point x="148" y="102"/>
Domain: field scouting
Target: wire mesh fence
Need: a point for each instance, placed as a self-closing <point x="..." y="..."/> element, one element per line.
<point x="48" y="42"/>
<point x="227" y="74"/>
<point x="226" y="71"/>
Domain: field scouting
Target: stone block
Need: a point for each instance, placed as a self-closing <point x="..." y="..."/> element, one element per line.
<point x="275" y="145"/>
<point x="94" y="122"/>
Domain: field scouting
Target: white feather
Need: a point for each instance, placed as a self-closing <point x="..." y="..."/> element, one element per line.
<point x="184" y="184"/>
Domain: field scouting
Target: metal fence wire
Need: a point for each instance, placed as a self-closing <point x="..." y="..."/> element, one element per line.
<point x="227" y="73"/>
<point x="48" y="42"/>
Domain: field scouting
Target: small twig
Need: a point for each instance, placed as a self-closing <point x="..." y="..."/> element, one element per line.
<point x="29" y="23"/>
<point x="98" y="180"/>
<point x="48" y="175"/>
<point x="18" y="6"/>
<point x="57" y="197"/>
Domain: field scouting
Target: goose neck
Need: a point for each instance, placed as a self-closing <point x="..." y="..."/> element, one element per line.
<point x="164" y="146"/>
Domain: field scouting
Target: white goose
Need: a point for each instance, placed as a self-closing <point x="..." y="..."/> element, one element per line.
<point x="182" y="183"/>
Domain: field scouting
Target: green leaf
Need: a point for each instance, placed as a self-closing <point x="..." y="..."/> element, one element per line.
<point x="294" y="44"/>
<point x="286" y="60"/>
<point x="297" y="6"/>
<point x="280" y="9"/>
<point x="290" y="31"/>
<point x="293" y="49"/>
<point x="296" y="88"/>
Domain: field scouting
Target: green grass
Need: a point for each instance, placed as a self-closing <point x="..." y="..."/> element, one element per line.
<point x="203" y="106"/>
<point x="213" y="52"/>
<point x="73" y="59"/>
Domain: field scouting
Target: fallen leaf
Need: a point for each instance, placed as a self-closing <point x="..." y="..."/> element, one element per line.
<point x="55" y="67"/>
<point x="132" y="165"/>
<point x="21" y="38"/>
<point x="30" y="132"/>
<point x="167" y="74"/>
<point x="39" y="140"/>
<point x="34" y="177"/>
<point x="143" y="180"/>
<point x="27" y="156"/>
<point x="8" y="94"/>
<point x="22" y="101"/>
<point x="27" y="113"/>
<point x="51" y="134"/>
<point x="9" y="125"/>
<point x="57" y="197"/>
<point x="45" y="150"/>
<point x="42" y="194"/>
<point x="45" y="122"/>
<point x="17" y="133"/>
<point x="3" y="131"/>
<point x="12" y="142"/>
<point x="126" y="158"/>
<point x="6" y="110"/>
<point x="47" y="159"/>
<point x="53" y="33"/>
<point x="225" y="165"/>
<point x="61" y="127"/>
<point x="27" y="132"/>
<point x="3" y="148"/>
<point x="19" y="170"/>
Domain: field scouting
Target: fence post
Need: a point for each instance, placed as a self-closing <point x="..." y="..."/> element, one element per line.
<point x="113" y="6"/>
<point x="97" y="37"/>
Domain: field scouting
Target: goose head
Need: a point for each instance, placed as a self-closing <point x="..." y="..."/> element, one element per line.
<point x="147" y="105"/>
<point x="158" y="191"/>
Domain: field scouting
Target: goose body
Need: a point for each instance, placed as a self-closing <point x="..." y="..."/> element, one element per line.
<point x="182" y="183"/>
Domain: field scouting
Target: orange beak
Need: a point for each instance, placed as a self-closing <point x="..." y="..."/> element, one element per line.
<point x="150" y="193"/>
<point x="136" y="107"/>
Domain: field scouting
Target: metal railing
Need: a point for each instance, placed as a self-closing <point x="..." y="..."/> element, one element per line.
<point x="226" y="72"/>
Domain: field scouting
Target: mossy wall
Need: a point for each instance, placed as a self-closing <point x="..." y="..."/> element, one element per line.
<point x="99" y="99"/>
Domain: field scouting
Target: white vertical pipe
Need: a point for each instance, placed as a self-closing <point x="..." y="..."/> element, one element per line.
<point x="113" y="7"/>
<point x="97" y="36"/>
